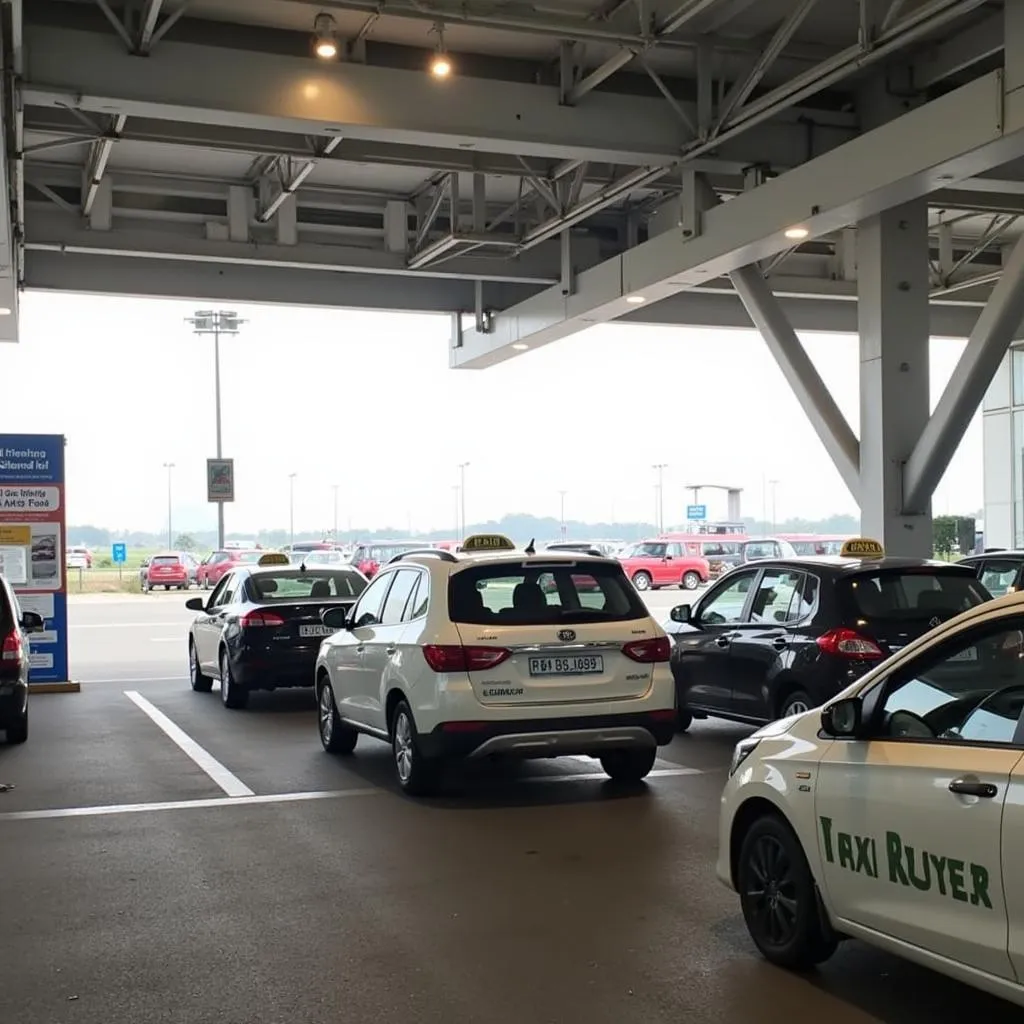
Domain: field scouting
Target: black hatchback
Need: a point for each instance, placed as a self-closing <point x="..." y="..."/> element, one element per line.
<point x="781" y="636"/>
<point x="15" y="627"/>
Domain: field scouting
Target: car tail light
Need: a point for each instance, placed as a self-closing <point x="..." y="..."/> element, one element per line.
<point x="11" y="649"/>
<point x="847" y="643"/>
<point x="453" y="658"/>
<point x="254" y="620"/>
<point x="657" y="648"/>
<point x="462" y="726"/>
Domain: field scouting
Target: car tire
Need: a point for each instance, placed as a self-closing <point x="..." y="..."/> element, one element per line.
<point x="335" y="736"/>
<point x="231" y="694"/>
<point x="779" y="897"/>
<point x="683" y="720"/>
<point x="417" y="775"/>
<point x="200" y="683"/>
<point x="795" y="703"/>
<point x="642" y="580"/>
<point x="691" y="580"/>
<point x="629" y="765"/>
<point x="17" y="732"/>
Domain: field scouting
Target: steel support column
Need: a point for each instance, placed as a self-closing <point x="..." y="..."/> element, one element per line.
<point x="998" y="325"/>
<point x="892" y="270"/>
<point x="811" y="391"/>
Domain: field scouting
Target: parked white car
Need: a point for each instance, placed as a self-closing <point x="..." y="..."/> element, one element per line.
<point x="497" y="652"/>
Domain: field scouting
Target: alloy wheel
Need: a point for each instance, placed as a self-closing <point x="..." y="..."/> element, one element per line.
<point x="326" y="714"/>
<point x="772" y="892"/>
<point x="403" y="747"/>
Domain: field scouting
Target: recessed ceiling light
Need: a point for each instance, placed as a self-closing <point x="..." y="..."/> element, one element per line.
<point x="635" y="300"/>
<point x="520" y="346"/>
<point x="797" y="233"/>
<point x="325" y="43"/>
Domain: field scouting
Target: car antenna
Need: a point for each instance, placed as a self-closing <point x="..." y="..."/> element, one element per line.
<point x="530" y="548"/>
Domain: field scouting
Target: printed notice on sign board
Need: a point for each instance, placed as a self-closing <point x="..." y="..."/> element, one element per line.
<point x="14" y="565"/>
<point x="220" y="479"/>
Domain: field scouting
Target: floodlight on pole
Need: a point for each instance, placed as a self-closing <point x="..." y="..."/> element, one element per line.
<point x="660" y="468"/>
<point x="216" y="322"/>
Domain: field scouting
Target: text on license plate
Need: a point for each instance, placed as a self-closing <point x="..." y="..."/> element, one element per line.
<point x="315" y="631"/>
<point x="567" y="665"/>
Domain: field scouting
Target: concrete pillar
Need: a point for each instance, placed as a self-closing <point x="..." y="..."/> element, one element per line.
<point x="892" y="270"/>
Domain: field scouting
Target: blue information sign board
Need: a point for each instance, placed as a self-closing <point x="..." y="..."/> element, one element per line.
<point x="119" y="553"/>
<point x="32" y="543"/>
<point x="695" y="513"/>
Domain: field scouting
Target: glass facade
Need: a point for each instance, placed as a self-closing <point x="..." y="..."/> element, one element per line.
<point x="1017" y="459"/>
<point x="1017" y="371"/>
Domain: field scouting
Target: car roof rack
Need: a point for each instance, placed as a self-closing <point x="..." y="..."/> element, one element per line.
<point x="445" y="556"/>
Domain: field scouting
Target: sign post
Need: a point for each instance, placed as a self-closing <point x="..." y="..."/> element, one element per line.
<point x="32" y="546"/>
<point x="119" y="555"/>
<point x="696" y="513"/>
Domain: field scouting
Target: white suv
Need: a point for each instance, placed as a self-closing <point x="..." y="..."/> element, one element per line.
<point x="494" y="652"/>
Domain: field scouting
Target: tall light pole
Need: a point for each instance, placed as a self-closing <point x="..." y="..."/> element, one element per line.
<point x="335" y="487"/>
<point x="462" y="497"/>
<point x="291" y="509"/>
<point x="169" y="466"/>
<point x="773" y="484"/>
<point x="216" y="322"/>
<point x="561" y="495"/>
<point x="660" y="468"/>
<point x="458" y="495"/>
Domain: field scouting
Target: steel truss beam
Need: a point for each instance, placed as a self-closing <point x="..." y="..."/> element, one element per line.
<point x="53" y="231"/>
<point x="962" y="134"/>
<point x="228" y="89"/>
<point x="997" y="326"/>
<point x="292" y="177"/>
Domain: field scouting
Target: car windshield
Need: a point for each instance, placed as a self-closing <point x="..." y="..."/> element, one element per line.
<point x="322" y="557"/>
<point x="901" y="595"/>
<point x="166" y="560"/>
<point x="522" y="594"/>
<point x="647" y="549"/>
<point x="296" y="585"/>
<point x="249" y="557"/>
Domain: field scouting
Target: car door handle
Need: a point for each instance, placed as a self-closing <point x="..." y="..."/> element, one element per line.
<point x="360" y="648"/>
<point x="967" y="788"/>
<point x="390" y="650"/>
<point x="780" y="642"/>
<point x="723" y="641"/>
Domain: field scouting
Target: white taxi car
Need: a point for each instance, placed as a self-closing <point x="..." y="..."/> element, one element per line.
<point x="497" y="652"/>
<point x="895" y="813"/>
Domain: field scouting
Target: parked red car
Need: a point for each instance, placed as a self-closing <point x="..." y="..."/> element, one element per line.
<point x="368" y="558"/>
<point x="167" y="570"/>
<point x="218" y="563"/>
<point x="659" y="563"/>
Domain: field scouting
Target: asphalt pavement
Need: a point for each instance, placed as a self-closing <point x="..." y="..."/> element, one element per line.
<point x="165" y="859"/>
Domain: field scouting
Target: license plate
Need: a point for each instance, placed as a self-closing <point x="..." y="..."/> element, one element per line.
<point x="970" y="654"/>
<point x="567" y="665"/>
<point x="315" y="631"/>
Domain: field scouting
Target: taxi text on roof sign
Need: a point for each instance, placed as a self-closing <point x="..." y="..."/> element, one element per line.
<point x="488" y="542"/>
<point x="273" y="558"/>
<point x="861" y="547"/>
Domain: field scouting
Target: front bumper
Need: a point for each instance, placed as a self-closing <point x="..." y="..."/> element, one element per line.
<point x="549" y="737"/>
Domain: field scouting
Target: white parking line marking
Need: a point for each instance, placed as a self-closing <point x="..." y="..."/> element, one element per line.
<point x="136" y="679"/>
<point x="230" y="783"/>
<point x="126" y="625"/>
<point x="657" y="773"/>
<point x="183" y="805"/>
<point x="165" y="639"/>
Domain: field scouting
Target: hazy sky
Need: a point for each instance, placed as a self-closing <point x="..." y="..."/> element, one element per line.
<point x="368" y="401"/>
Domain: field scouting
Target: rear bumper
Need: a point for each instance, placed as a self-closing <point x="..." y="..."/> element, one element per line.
<point x="266" y="668"/>
<point x="12" y="701"/>
<point x="549" y="737"/>
<point x="168" y="581"/>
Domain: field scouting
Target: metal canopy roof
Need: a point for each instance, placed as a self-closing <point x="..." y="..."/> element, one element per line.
<point x="200" y="149"/>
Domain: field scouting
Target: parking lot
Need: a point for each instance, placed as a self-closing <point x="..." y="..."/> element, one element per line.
<point x="165" y="859"/>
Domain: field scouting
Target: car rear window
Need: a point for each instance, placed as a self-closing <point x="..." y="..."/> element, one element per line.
<point x="520" y="595"/>
<point x="906" y="595"/>
<point x="166" y="560"/>
<point x="305" y="586"/>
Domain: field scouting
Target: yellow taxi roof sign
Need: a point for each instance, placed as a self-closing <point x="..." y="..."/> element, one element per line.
<point x="488" y="542"/>
<point x="274" y="558"/>
<point x="862" y="547"/>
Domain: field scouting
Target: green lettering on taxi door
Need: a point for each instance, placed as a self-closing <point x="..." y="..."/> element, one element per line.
<point x="894" y="856"/>
<point x="925" y="882"/>
<point x="938" y="871"/>
<point x="864" y="861"/>
<point x="826" y="838"/>
<point x="979" y="880"/>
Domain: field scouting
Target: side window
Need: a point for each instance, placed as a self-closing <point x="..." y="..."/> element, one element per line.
<point x="775" y="596"/>
<point x="726" y="605"/>
<point x="805" y="598"/>
<point x="971" y="690"/>
<point x="230" y="592"/>
<point x="419" y="600"/>
<point x="368" y="610"/>
<point x="217" y="597"/>
<point x="394" y="606"/>
<point x="998" y="577"/>
<point x="675" y="551"/>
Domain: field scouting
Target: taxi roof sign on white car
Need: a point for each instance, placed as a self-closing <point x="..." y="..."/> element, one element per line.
<point x="487" y="542"/>
<point x="273" y="558"/>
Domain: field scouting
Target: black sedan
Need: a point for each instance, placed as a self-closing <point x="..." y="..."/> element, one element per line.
<point x="15" y="626"/>
<point x="261" y="627"/>
<point x="781" y="636"/>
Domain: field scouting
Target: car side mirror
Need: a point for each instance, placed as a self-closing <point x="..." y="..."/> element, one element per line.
<point x="681" y="613"/>
<point x="336" y="617"/>
<point x="195" y="604"/>
<point x="843" y="718"/>
<point x="32" y="622"/>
